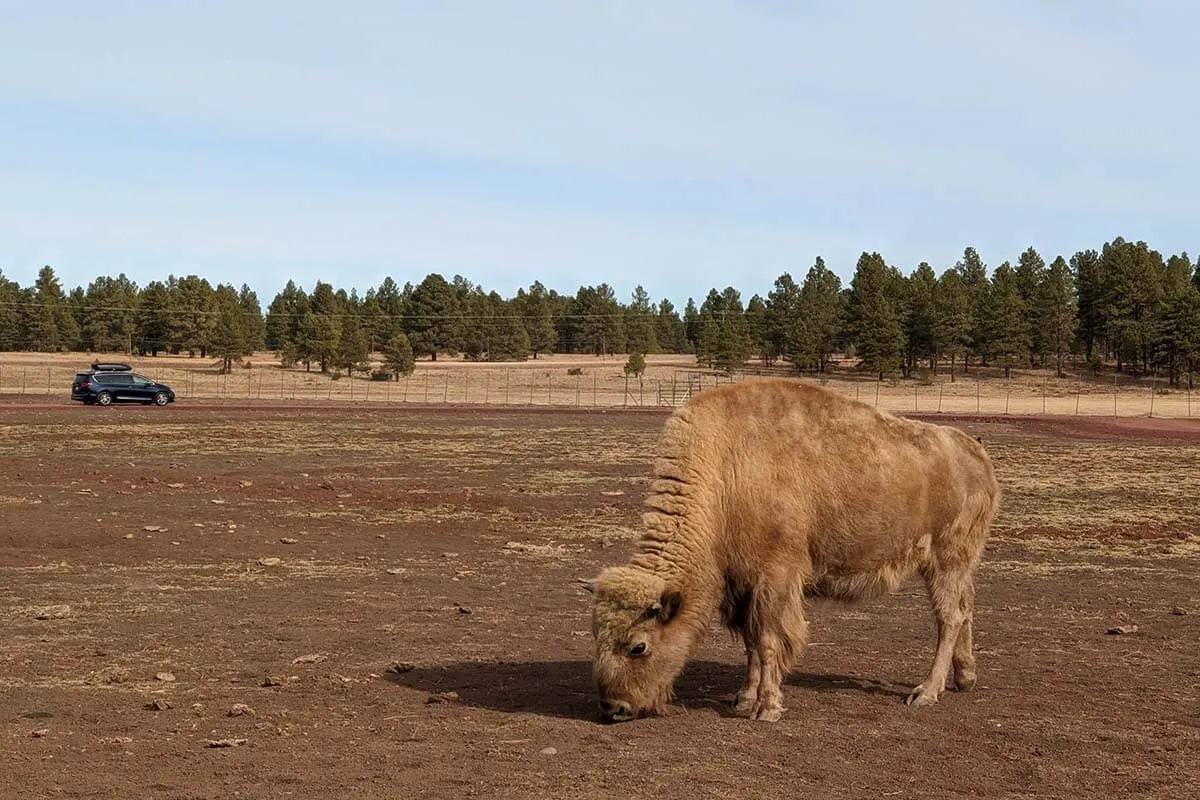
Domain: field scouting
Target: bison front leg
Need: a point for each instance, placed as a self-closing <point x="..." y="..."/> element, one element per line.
<point x="775" y="638"/>
<point x="747" y="697"/>
<point x="952" y="597"/>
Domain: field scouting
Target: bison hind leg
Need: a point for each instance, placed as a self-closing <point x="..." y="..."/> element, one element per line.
<point x="952" y="595"/>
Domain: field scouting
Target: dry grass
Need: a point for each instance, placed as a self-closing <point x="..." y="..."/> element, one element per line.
<point x="602" y="383"/>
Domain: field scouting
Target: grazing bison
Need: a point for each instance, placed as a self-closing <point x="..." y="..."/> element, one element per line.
<point x="770" y="492"/>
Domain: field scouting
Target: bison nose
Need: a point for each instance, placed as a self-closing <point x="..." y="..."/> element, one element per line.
<point x="616" y="710"/>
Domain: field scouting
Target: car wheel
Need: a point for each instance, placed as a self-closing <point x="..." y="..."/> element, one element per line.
<point x="160" y="398"/>
<point x="104" y="398"/>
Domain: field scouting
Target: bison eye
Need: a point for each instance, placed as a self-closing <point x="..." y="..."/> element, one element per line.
<point x="638" y="649"/>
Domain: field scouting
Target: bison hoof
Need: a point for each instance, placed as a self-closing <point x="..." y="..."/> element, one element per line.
<point x="921" y="696"/>
<point x="744" y="704"/>
<point x="768" y="714"/>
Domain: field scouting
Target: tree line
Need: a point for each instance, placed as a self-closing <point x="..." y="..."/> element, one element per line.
<point x="1124" y="304"/>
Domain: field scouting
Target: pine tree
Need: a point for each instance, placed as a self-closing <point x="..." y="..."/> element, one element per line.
<point x="10" y="303"/>
<point x="353" y="351"/>
<point x="783" y="316"/>
<point x="536" y="312"/>
<point x="1029" y="275"/>
<point x="398" y="355"/>
<point x="510" y="336"/>
<point x="921" y="318"/>
<point x="228" y="338"/>
<point x="669" y="330"/>
<point x="757" y="323"/>
<point x="1007" y="333"/>
<point x="973" y="275"/>
<point x="1090" y="283"/>
<point x="816" y="320"/>
<point x="951" y="318"/>
<point x="1057" y="312"/>
<point x="151" y="321"/>
<point x="639" y="324"/>
<point x="1133" y="275"/>
<point x="873" y="318"/>
<point x="434" y="323"/>
<point x="691" y="326"/>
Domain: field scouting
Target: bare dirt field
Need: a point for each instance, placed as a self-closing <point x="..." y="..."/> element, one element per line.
<point x="202" y="602"/>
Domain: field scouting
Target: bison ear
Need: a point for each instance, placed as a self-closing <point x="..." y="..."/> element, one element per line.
<point x="668" y="606"/>
<point x="588" y="583"/>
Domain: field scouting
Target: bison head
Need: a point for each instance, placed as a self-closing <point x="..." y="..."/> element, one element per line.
<point x="641" y="645"/>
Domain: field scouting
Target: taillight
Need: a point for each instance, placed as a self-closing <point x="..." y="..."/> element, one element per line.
<point x="86" y="385"/>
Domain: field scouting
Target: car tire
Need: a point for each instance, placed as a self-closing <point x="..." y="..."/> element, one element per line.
<point x="104" y="398"/>
<point x="160" y="398"/>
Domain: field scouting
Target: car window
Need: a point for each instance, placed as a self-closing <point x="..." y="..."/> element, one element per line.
<point x="116" y="380"/>
<point x="141" y="380"/>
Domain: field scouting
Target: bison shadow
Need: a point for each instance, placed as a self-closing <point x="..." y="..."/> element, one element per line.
<point x="565" y="689"/>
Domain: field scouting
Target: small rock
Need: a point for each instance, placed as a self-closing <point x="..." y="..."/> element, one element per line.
<point x="311" y="658"/>
<point x="245" y="484"/>
<point x="158" y="705"/>
<point x="272" y="681"/>
<point x="396" y="571"/>
<point x="240" y="710"/>
<point x="165" y="677"/>
<point x="270" y="562"/>
<point x="224" y="742"/>
<point x="617" y="493"/>
<point x="128" y="536"/>
<point x="344" y="496"/>
<point x="548" y="751"/>
<point x="1179" y="611"/>
<point x="442" y="697"/>
<point x="54" y="612"/>
<point x="463" y="609"/>
<point x="449" y="555"/>
<point x="39" y="733"/>
<point x="288" y="540"/>
<point x="1123" y="630"/>
<point x="154" y="528"/>
<point x="218" y="502"/>
<point x="401" y="667"/>
<point x="175" y="485"/>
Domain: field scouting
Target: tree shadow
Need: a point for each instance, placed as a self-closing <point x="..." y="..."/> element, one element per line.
<point x="565" y="689"/>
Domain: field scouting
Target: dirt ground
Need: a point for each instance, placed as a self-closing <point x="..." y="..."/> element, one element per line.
<point x="421" y="633"/>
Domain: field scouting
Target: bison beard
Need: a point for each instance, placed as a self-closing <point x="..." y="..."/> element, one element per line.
<point x="768" y="492"/>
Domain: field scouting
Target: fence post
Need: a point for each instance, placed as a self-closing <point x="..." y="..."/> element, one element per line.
<point x="1114" y="393"/>
<point x="1044" y="382"/>
<point x="625" y="398"/>
<point x="487" y="387"/>
<point x="577" y="391"/>
<point x="549" y="388"/>
<point x="446" y="388"/>
<point x="466" y="386"/>
<point x="506" y="372"/>
<point x="877" y="394"/>
<point x="47" y="380"/>
<point x="916" y="402"/>
<point x="595" y="400"/>
<point x="407" y="380"/>
<point x="532" y="384"/>
<point x="941" y="388"/>
<point x="1078" y="390"/>
<point x="426" y="387"/>
<point x="1008" y="396"/>
<point x="1153" y="379"/>
<point x="978" y="390"/>
<point x="23" y="371"/>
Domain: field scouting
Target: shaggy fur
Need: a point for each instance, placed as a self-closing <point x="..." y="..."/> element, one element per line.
<point x="770" y="492"/>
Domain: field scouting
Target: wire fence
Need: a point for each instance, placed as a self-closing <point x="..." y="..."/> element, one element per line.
<point x="606" y="387"/>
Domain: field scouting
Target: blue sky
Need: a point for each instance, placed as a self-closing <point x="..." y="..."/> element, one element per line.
<point x="679" y="144"/>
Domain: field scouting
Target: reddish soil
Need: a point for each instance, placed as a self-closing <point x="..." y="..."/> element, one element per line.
<point x="422" y="634"/>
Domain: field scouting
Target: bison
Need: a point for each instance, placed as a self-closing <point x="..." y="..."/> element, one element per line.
<point x="770" y="492"/>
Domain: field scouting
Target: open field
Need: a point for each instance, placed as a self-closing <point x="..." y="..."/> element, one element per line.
<point x="601" y="383"/>
<point x="431" y="552"/>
